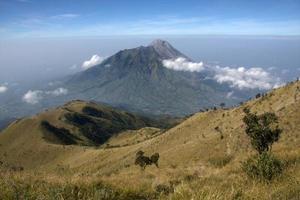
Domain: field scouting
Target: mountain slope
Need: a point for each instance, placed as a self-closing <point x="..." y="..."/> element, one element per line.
<point x="192" y="139"/>
<point x="204" y="159"/>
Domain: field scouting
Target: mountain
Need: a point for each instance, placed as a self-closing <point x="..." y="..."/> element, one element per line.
<point x="200" y="157"/>
<point x="136" y="79"/>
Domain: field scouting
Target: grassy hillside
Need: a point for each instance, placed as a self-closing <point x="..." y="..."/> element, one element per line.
<point x="45" y="136"/>
<point x="199" y="158"/>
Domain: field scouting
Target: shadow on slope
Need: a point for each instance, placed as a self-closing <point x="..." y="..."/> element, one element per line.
<point x="94" y="124"/>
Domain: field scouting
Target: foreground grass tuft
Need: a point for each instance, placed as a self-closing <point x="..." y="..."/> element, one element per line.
<point x="14" y="188"/>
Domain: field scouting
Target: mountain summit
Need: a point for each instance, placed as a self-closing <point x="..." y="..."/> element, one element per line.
<point x="165" y="50"/>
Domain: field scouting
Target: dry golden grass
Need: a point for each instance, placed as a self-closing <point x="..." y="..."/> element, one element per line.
<point x="199" y="158"/>
<point x="131" y="137"/>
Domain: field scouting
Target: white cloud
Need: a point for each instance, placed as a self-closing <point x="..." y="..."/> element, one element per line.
<point x="95" y="60"/>
<point x="58" y="92"/>
<point x="229" y="95"/>
<point x="3" y="88"/>
<point x="33" y="97"/>
<point x="65" y="16"/>
<point x="181" y="64"/>
<point x="243" y="78"/>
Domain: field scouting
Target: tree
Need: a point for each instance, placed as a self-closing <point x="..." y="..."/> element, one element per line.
<point x="143" y="161"/>
<point x="258" y="95"/>
<point x="222" y="105"/>
<point x="262" y="129"/>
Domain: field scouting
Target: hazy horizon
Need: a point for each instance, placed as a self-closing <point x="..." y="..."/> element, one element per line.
<point x="43" y="59"/>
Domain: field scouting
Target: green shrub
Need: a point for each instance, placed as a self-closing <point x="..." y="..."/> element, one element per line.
<point x="262" y="129"/>
<point x="263" y="166"/>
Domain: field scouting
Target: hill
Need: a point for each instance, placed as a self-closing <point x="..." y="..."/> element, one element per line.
<point x="199" y="158"/>
<point x="76" y="123"/>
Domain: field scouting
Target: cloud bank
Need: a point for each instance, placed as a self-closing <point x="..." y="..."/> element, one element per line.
<point x="95" y="60"/>
<point x="35" y="96"/>
<point x="3" y="88"/>
<point x="243" y="78"/>
<point x="181" y="64"/>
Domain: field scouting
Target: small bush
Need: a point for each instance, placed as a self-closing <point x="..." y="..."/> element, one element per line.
<point x="220" y="161"/>
<point x="263" y="166"/>
<point x="143" y="161"/>
<point x="164" y="189"/>
<point x="258" y="95"/>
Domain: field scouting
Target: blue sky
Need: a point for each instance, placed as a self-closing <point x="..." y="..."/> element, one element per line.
<point x="59" y="18"/>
